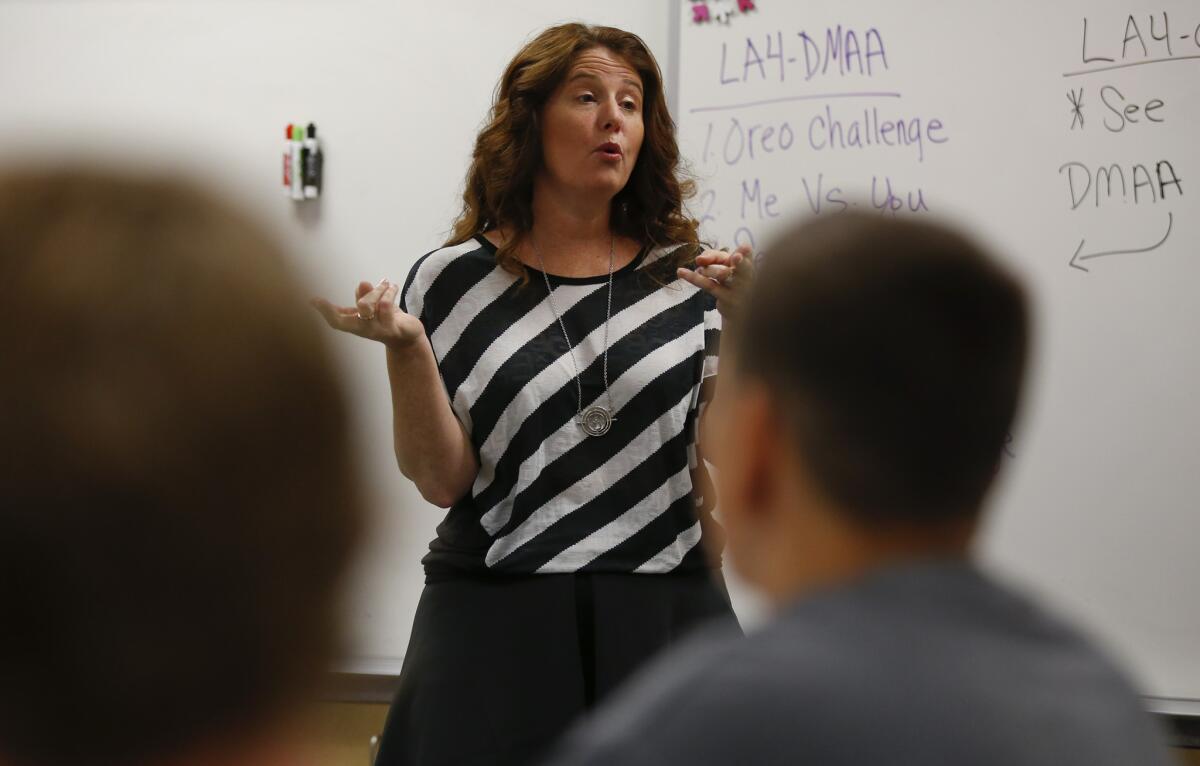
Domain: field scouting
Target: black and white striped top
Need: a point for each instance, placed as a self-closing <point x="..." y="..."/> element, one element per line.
<point x="549" y="498"/>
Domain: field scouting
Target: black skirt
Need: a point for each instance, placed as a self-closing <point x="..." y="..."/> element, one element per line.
<point x="497" y="669"/>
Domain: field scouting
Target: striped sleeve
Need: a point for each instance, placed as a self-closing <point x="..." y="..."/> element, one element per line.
<point x="712" y="350"/>
<point x="437" y="282"/>
<point x="438" y="287"/>
<point x="412" y="296"/>
<point x="703" y="493"/>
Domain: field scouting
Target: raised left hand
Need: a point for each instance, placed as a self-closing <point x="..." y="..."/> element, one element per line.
<point x="727" y="275"/>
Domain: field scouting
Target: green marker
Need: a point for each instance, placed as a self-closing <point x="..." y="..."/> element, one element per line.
<point x="297" y="162"/>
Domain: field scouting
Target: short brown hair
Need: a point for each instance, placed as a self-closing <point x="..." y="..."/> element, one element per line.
<point x="177" y="498"/>
<point x="897" y="350"/>
<point x="508" y="150"/>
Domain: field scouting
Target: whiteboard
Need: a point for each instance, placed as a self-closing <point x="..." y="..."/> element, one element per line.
<point x="1095" y="510"/>
<point x="1008" y="119"/>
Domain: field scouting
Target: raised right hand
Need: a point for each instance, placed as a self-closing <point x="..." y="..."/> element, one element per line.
<point x="374" y="316"/>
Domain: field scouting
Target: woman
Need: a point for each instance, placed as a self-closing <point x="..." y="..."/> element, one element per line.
<point x="548" y="369"/>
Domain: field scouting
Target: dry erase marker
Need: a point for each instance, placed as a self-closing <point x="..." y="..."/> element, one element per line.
<point x="305" y="156"/>
<point x="312" y="163"/>
<point x="297" y="168"/>
<point x="287" y="162"/>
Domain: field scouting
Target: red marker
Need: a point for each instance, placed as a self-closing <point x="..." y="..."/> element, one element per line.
<point x="287" y="162"/>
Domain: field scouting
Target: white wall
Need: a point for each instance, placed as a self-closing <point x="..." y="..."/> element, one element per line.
<point x="397" y="89"/>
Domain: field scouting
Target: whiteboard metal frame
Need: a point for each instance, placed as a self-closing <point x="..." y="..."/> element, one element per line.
<point x="674" y="35"/>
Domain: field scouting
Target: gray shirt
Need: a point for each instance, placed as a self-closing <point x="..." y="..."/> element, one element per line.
<point x="924" y="663"/>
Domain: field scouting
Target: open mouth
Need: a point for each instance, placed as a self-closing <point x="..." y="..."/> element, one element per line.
<point x="610" y="151"/>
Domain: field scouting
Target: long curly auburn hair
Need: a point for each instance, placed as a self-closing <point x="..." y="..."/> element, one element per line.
<point x="508" y="151"/>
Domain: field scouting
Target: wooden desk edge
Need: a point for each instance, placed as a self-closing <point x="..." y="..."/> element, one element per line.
<point x="347" y="686"/>
<point x="1181" y="717"/>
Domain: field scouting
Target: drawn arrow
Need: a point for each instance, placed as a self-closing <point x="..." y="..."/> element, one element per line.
<point x="1077" y="257"/>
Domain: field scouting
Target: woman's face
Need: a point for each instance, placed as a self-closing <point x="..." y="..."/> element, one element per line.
<point x="592" y="125"/>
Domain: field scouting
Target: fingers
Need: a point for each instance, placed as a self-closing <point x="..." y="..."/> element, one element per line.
<point x="744" y="262"/>
<point x="719" y="273"/>
<point x="336" y="317"/>
<point x="370" y="303"/>
<point x="367" y="303"/>
<point x="739" y="262"/>
<point x="386" y="308"/>
<point x="704" y="283"/>
<point x="722" y="257"/>
<point x="709" y="257"/>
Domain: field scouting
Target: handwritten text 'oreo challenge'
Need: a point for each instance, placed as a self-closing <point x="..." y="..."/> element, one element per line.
<point x="735" y="140"/>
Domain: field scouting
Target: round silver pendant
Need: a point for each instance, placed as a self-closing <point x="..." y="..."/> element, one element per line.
<point x="595" y="421"/>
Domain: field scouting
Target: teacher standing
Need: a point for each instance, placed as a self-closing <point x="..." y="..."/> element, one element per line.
<point x="549" y="368"/>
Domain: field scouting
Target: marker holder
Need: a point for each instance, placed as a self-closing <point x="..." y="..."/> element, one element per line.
<point x="303" y="163"/>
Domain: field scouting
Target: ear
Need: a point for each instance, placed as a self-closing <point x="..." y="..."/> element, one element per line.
<point x="757" y="436"/>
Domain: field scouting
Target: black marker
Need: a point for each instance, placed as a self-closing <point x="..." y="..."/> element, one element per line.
<point x="312" y="163"/>
<point x="303" y="169"/>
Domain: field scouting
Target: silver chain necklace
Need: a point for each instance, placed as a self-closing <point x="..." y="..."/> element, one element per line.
<point x="595" y="420"/>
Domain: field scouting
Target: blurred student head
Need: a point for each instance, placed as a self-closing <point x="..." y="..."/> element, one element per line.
<point x="177" y="501"/>
<point x="866" y="396"/>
